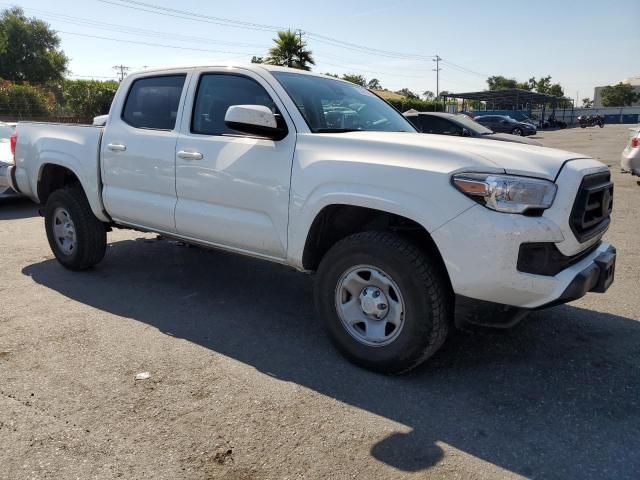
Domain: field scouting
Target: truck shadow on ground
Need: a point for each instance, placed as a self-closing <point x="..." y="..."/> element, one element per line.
<point x="16" y="208"/>
<point x="557" y="397"/>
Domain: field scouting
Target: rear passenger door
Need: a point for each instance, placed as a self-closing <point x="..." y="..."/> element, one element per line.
<point x="138" y="152"/>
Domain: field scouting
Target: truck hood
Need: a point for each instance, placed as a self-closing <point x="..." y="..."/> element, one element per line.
<point x="513" y="158"/>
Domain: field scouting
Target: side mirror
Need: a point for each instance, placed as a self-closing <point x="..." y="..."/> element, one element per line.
<point x="466" y="133"/>
<point x="255" y="120"/>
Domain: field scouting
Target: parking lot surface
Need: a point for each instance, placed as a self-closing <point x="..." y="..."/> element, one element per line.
<point x="244" y="383"/>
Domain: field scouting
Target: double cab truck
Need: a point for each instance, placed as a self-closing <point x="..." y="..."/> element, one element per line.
<point x="409" y="235"/>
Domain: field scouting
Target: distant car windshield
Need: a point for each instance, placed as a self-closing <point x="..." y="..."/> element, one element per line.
<point x="5" y="132"/>
<point x="472" y="125"/>
<point x="333" y="106"/>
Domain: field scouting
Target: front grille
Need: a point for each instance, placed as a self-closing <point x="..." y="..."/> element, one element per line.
<point x="591" y="211"/>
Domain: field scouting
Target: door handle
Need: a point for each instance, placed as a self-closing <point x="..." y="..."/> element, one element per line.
<point x="116" y="147"/>
<point x="190" y="155"/>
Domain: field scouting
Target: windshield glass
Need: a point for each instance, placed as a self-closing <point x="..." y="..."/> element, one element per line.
<point x="5" y="133"/>
<point x="470" y="124"/>
<point x="334" y="106"/>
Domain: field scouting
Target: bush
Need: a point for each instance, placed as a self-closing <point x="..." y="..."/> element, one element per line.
<point x="416" y="104"/>
<point x="88" y="98"/>
<point x="25" y="100"/>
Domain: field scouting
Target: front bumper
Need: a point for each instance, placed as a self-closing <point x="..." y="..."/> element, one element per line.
<point x="480" y="249"/>
<point x="596" y="277"/>
<point x="5" y="173"/>
<point x="631" y="161"/>
<point x="6" y="182"/>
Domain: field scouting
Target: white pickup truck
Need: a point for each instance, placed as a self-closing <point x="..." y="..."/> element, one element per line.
<point x="408" y="233"/>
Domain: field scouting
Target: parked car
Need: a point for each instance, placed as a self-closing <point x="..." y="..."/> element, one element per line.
<point x="460" y="126"/>
<point x="504" y="124"/>
<point x="6" y="158"/>
<point x="631" y="154"/>
<point x="407" y="233"/>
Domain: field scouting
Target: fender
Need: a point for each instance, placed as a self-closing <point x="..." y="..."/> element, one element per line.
<point x="387" y="200"/>
<point x="76" y="149"/>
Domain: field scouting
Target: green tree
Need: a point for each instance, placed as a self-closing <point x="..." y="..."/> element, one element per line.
<point x="88" y="98"/>
<point x="354" y="78"/>
<point x="405" y="92"/>
<point x="620" y="95"/>
<point x="25" y="100"/>
<point x="428" y="94"/>
<point x="499" y="82"/>
<point x="290" y="51"/>
<point x="29" y="49"/>
<point x="374" y="84"/>
<point x="544" y="85"/>
<point x="587" y="102"/>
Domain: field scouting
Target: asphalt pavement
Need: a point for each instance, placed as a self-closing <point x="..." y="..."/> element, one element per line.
<point x="244" y="383"/>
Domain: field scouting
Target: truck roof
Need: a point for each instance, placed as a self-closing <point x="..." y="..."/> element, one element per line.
<point x="256" y="67"/>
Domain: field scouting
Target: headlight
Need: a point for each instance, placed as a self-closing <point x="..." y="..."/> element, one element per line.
<point x="507" y="193"/>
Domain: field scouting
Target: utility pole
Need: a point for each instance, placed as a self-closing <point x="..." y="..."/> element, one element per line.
<point x="121" y="70"/>
<point x="437" y="70"/>
<point x="300" y="45"/>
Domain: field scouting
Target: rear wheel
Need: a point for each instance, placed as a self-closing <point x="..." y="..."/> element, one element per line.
<point x="386" y="305"/>
<point x="76" y="237"/>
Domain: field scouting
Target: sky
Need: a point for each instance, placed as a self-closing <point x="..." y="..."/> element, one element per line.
<point x="581" y="44"/>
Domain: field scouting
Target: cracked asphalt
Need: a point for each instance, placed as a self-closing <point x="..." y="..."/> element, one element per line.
<point x="244" y="383"/>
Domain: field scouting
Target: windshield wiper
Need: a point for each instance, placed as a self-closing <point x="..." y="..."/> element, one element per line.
<point x="337" y="130"/>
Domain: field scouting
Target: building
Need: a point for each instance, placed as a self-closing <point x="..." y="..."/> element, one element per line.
<point x="633" y="81"/>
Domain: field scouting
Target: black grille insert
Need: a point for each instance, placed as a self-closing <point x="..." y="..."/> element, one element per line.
<point x="592" y="209"/>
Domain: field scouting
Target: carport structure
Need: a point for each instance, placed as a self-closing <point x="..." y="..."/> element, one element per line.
<point x="512" y="99"/>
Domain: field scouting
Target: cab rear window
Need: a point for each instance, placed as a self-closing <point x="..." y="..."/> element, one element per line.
<point x="153" y="102"/>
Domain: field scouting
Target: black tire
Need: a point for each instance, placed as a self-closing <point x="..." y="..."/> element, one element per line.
<point x="423" y="286"/>
<point x="90" y="233"/>
<point x="582" y="125"/>
<point x="517" y="131"/>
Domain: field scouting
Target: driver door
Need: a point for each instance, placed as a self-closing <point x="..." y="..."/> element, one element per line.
<point x="232" y="188"/>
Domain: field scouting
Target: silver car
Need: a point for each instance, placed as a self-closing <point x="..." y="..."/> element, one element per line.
<point x="6" y="158"/>
<point x="631" y="154"/>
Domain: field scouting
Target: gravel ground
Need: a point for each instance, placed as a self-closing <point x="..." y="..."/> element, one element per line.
<point x="245" y="385"/>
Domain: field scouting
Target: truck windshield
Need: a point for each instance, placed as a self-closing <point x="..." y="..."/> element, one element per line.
<point x="331" y="106"/>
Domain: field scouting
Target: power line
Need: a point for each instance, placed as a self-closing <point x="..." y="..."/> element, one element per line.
<point x="133" y="30"/>
<point x="183" y="14"/>
<point x="150" y="44"/>
<point x="172" y="12"/>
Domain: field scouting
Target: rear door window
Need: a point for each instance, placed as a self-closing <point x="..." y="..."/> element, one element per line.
<point x="153" y="102"/>
<point x="439" y="126"/>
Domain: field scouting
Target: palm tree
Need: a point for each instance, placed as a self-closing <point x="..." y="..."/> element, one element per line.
<point x="290" y="51"/>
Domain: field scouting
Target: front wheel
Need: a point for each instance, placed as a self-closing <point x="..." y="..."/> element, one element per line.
<point x="516" y="131"/>
<point x="385" y="303"/>
<point x="76" y="237"/>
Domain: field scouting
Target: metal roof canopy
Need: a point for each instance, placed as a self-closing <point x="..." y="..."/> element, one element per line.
<point x="513" y="96"/>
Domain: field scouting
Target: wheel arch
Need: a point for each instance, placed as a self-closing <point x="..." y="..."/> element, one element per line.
<point x="53" y="176"/>
<point x="337" y="221"/>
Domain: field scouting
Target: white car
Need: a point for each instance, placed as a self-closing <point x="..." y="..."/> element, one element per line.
<point x="6" y="158"/>
<point x="407" y="233"/>
<point x="631" y="154"/>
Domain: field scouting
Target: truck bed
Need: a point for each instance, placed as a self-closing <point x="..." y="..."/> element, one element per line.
<point x="76" y="147"/>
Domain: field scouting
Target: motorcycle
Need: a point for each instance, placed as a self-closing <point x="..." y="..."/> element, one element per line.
<point x="591" y="121"/>
<point x="553" y="123"/>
